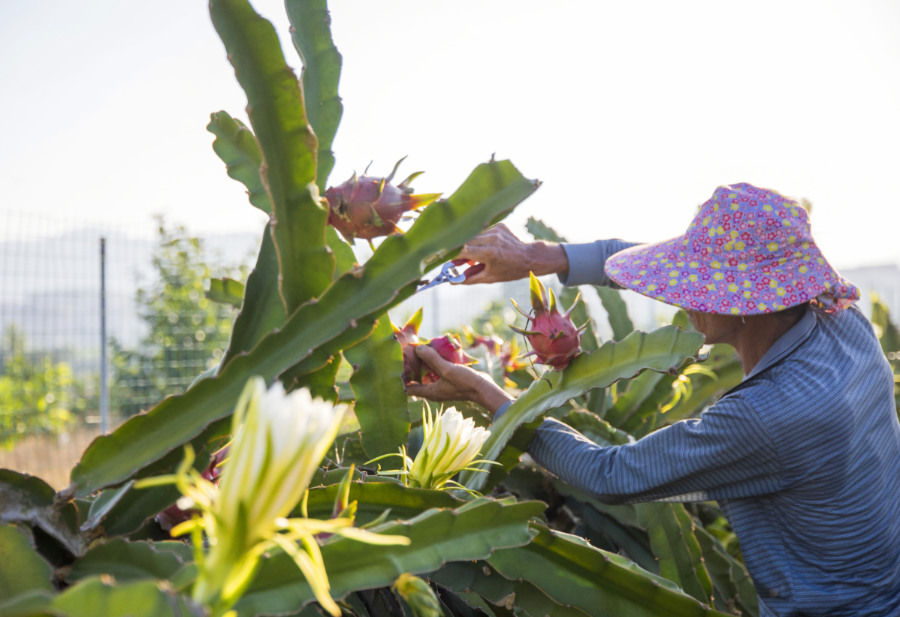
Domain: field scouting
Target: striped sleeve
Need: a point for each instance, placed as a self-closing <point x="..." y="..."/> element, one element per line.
<point x="726" y="454"/>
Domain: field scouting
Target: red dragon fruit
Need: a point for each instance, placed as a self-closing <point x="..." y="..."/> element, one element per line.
<point x="368" y="207"/>
<point x="448" y="346"/>
<point x="491" y="342"/>
<point x="408" y="337"/>
<point x="554" y="338"/>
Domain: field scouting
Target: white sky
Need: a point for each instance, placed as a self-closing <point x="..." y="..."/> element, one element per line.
<point x="631" y="113"/>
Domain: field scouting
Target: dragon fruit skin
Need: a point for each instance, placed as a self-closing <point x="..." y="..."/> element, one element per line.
<point x="368" y="207"/>
<point x="451" y="350"/>
<point x="408" y="337"/>
<point x="553" y="337"/>
<point x="449" y="346"/>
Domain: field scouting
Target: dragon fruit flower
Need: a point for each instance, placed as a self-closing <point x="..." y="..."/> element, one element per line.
<point x="418" y="594"/>
<point x="451" y="443"/>
<point x="553" y="337"/>
<point x="278" y="441"/>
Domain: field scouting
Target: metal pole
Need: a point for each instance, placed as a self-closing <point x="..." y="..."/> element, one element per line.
<point x="104" y="386"/>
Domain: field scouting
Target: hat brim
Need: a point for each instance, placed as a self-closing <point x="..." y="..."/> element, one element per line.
<point x="670" y="272"/>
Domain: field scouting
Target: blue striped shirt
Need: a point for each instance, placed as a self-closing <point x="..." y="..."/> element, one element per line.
<point x="803" y="458"/>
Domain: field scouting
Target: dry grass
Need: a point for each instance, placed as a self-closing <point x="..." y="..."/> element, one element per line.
<point x="50" y="457"/>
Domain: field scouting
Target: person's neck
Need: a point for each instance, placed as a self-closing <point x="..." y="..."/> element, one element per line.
<point x="757" y="334"/>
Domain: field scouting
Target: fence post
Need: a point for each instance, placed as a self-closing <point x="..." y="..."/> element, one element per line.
<point x="104" y="386"/>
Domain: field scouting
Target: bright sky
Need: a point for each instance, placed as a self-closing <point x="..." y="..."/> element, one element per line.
<point x="631" y="113"/>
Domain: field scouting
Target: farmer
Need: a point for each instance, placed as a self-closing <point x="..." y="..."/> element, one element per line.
<point x="803" y="456"/>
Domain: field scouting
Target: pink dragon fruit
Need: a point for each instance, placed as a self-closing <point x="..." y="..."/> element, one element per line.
<point x="448" y="346"/>
<point x="554" y="338"/>
<point x="491" y="342"/>
<point x="408" y="337"/>
<point x="368" y="207"/>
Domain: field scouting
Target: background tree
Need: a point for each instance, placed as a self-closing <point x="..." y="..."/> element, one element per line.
<point x="186" y="332"/>
<point x="37" y="395"/>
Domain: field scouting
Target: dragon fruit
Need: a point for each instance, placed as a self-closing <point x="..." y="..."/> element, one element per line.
<point x="553" y="337"/>
<point x="368" y="207"/>
<point x="448" y="346"/>
<point x="408" y="337"/>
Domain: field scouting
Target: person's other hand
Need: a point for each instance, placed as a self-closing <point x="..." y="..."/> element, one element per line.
<point x="507" y="258"/>
<point x="457" y="383"/>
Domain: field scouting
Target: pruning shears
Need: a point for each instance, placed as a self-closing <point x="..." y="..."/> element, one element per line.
<point x="451" y="273"/>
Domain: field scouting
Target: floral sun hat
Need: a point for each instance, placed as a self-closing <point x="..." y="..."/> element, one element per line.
<point x="748" y="251"/>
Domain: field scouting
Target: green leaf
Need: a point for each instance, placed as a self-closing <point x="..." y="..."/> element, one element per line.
<point x="671" y="531"/>
<point x="132" y="561"/>
<point x="574" y="573"/>
<point x="634" y="398"/>
<point x="33" y="603"/>
<point x="570" y="298"/>
<point x="492" y="190"/>
<point x="472" y="531"/>
<point x="277" y="113"/>
<point x="480" y="578"/>
<point x="96" y="596"/>
<point x="22" y="569"/>
<point x="377" y="381"/>
<point x="262" y="310"/>
<point x="889" y="334"/>
<point x="660" y="350"/>
<point x="311" y="34"/>
<point x="596" y="428"/>
<point x="125" y="510"/>
<point x="226" y="291"/>
<point x="734" y="587"/>
<point x="237" y="147"/>
<point x="319" y="382"/>
<point x="28" y="499"/>
<point x="616" y="312"/>
<point x="542" y="231"/>
<point x="374" y="498"/>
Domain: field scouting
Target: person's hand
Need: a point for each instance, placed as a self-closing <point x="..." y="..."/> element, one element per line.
<point x="457" y="383"/>
<point x="507" y="258"/>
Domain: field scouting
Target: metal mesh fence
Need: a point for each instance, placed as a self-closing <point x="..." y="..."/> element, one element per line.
<point x="80" y="300"/>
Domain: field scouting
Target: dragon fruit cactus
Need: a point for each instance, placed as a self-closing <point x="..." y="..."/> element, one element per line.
<point x="368" y="207"/>
<point x="553" y="337"/>
<point x="448" y="346"/>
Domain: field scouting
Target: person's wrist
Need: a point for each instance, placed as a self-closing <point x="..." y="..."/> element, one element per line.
<point x="494" y="399"/>
<point x="548" y="258"/>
